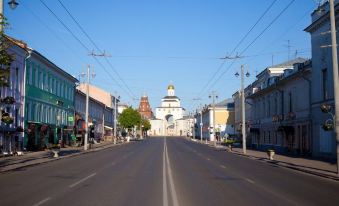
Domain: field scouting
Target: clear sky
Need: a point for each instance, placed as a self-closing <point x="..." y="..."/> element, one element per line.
<point x="154" y="42"/>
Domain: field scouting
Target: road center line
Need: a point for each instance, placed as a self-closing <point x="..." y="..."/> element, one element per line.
<point x="42" y="201"/>
<point x="222" y="166"/>
<point x="173" y="192"/>
<point x="164" y="179"/>
<point x="82" y="180"/>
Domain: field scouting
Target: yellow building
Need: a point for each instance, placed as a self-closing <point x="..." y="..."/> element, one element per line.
<point x="224" y="120"/>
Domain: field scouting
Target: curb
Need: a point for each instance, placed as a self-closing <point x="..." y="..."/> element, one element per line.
<point x="44" y="161"/>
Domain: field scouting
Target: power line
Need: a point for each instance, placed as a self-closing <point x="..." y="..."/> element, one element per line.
<point x="254" y="40"/>
<point x="96" y="46"/>
<point x="80" y="42"/>
<point x="238" y="44"/>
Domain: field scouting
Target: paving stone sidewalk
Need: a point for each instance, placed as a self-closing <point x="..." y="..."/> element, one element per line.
<point x="33" y="158"/>
<point x="306" y="165"/>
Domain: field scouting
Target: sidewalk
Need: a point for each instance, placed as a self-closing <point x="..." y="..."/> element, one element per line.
<point x="310" y="166"/>
<point x="306" y="165"/>
<point x="33" y="158"/>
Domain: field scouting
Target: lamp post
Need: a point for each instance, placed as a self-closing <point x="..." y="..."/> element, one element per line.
<point x="12" y="4"/>
<point x="213" y="96"/>
<point x="242" y="93"/>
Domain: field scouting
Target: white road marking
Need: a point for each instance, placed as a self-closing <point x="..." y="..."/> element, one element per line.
<point x="173" y="192"/>
<point x="222" y="166"/>
<point x="208" y="158"/>
<point x="164" y="179"/>
<point x="82" y="180"/>
<point x="42" y="201"/>
<point x="249" y="180"/>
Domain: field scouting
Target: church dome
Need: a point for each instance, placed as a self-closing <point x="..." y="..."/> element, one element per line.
<point x="170" y="87"/>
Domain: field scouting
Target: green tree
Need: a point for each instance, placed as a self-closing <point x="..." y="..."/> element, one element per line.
<point x="146" y="124"/>
<point x="129" y="118"/>
<point x="5" y="58"/>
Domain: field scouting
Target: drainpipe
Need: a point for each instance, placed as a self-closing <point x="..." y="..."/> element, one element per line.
<point x="24" y="95"/>
<point x="310" y="107"/>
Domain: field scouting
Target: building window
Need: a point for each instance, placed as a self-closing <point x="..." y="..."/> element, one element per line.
<point x="324" y="84"/>
<point x="17" y="79"/>
<point x="41" y="80"/>
<point x="34" y="76"/>
<point x="275" y="106"/>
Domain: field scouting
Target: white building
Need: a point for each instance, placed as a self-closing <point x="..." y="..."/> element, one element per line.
<point x="169" y="116"/>
<point x="322" y="92"/>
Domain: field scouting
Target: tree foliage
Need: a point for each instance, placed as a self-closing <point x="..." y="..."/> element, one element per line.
<point x="5" y="58"/>
<point x="146" y="123"/>
<point x="129" y="118"/>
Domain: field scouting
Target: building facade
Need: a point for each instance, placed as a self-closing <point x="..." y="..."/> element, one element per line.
<point x="144" y="108"/>
<point x="98" y="117"/>
<point x="167" y="116"/>
<point x="107" y="99"/>
<point x="324" y="142"/>
<point x="224" y="120"/>
<point x="13" y="88"/>
<point x="49" y="103"/>
<point x="281" y="112"/>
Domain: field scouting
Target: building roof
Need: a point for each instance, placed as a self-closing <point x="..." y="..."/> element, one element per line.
<point x="170" y="97"/>
<point x="289" y="63"/>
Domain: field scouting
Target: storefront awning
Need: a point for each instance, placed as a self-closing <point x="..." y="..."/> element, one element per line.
<point x="107" y="127"/>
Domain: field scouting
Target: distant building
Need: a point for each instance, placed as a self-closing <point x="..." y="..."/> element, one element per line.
<point x="167" y="116"/>
<point x="104" y="127"/>
<point x="224" y="120"/>
<point x="144" y="108"/>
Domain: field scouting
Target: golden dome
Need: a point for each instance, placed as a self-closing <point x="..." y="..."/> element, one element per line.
<point x="170" y="87"/>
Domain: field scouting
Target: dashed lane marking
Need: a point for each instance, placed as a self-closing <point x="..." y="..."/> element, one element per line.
<point x="42" y="201"/>
<point x="82" y="180"/>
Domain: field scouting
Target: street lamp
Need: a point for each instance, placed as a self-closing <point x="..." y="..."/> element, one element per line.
<point x="242" y="93"/>
<point x="13" y="4"/>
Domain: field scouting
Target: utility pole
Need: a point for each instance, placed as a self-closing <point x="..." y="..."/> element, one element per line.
<point x="86" y="115"/>
<point x="214" y="96"/>
<point x="115" y="116"/>
<point x="243" y="128"/>
<point x="335" y="77"/>
<point x="201" y="124"/>
<point x="243" y="116"/>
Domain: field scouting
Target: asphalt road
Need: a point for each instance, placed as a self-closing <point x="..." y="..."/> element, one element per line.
<point x="163" y="171"/>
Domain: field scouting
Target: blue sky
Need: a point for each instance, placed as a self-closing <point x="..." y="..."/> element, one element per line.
<point x="155" y="42"/>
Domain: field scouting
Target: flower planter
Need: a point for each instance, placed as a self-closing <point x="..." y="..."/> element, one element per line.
<point x="270" y="154"/>
<point x="55" y="152"/>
